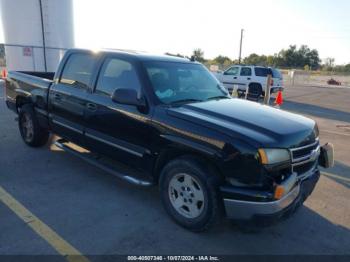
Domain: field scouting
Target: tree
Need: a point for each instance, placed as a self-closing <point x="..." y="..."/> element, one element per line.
<point x="347" y="68"/>
<point x="271" y="60"/>
<point x="292" y="57"/>
<point x="298" y="58"/>
<point x="289" y="56"/>
<point x="198" y="55"/>
<point x="313" y="59"/>
<point x="252" y="59"/>
<point x="329" y="62"/>
<point x="329" y="65"/>
<point x="221" y="60"/>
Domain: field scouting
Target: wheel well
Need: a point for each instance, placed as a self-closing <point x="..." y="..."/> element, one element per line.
<point x="20" y="101"/>
<point x="172" y="153"/>
<point x="254" y="83"/>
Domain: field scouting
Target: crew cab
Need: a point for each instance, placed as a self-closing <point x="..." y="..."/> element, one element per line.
<point x="244" y="76"/>
<point x="167" y="121"/>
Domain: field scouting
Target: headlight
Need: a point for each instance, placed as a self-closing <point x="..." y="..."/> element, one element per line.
<point x="273" y="155"/>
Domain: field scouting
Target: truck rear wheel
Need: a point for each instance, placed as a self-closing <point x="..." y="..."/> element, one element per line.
<point x="32" y="133"/>
<point x="189" y="194"/>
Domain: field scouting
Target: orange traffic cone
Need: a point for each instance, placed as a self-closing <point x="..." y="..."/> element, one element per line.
<point x="279" y="99"/>
<point x="4" y="73"/>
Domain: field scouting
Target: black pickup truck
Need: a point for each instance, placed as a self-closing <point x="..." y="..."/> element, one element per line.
<point x="166" y="121"/>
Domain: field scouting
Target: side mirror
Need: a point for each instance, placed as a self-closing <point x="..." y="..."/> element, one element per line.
<point x="127" y="96"/>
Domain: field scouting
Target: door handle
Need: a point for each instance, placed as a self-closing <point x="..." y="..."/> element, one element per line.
<point x="248" y="78"/>
<point x="235" y="77"/>
<point x="91" y="106"/>
<point x="57" y="97"/>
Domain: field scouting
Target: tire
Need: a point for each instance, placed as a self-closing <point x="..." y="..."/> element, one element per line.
<point x="190" y="194"/>
<point x="32" y="133"/>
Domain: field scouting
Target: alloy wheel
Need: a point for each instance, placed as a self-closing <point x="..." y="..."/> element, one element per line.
<point x="186" y="195"/>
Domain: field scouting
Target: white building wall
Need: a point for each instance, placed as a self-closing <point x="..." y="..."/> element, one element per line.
<point x="23" y="33"/>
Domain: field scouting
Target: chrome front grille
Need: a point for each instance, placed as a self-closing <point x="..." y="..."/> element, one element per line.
<point x="304" y="157"/>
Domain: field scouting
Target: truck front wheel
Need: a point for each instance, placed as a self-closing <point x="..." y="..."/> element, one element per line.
<point x="189" y="194"/>
<point x="32" y="133"/>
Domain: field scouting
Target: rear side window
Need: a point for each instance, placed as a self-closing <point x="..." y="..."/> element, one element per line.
<point x="116" y="73"/>
<point x="246" y="71"/>
<point x="78" y="70"/>
<point x="262" y="71"/>
<point x="276" y="73"/>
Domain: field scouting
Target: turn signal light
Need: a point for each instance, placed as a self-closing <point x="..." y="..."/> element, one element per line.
<point x="279" y="192"/>
<point x="263" y="157"/>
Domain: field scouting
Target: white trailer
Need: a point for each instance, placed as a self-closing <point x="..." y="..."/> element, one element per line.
<point x="36" y="33"/>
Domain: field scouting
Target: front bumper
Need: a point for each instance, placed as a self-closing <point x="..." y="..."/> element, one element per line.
<point x="267" y="212"/>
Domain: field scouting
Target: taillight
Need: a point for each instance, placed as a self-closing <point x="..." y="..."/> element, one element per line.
<point x="271" y="81"/>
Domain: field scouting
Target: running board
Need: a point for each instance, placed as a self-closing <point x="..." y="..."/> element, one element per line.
<point x="62" y="144"/>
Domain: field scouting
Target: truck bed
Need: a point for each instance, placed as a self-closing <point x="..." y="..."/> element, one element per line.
<point x="27" y="85"/>
<point x="46" y="75"/>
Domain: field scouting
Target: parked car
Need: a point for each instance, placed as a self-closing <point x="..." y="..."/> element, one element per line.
<point x="248" y="75"/>
<point x="332" y="81"/>
<point x="277" y="78"/>
<point x="166" y="121"/>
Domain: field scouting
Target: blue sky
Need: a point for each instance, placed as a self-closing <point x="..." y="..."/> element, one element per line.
<point x="179" y="26"/>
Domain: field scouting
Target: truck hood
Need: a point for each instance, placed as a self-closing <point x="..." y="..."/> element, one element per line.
<point x="259" y="125"/>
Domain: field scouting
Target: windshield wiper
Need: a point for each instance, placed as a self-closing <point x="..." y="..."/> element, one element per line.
<point x="217" y="97"/>
<point x="183" y="101"/>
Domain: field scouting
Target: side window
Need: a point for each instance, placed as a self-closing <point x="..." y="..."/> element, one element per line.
<point x="78" y="70"/>
<point x="246" y="71"/>
<point x="116" y="73"/>
<point x="262" y="71"/>
<point x="233" y="71"/>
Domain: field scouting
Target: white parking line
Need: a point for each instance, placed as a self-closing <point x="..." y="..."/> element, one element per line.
<point x="335" y="176"/>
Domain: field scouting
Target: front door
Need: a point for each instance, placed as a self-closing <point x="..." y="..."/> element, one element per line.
<point x="231" y="77"/>
<point x="121" y="131"/>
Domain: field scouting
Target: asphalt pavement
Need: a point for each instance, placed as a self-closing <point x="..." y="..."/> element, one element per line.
<point x="98" y="214"/>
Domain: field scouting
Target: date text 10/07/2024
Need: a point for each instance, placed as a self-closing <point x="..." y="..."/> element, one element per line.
<point x="173" y="258"/>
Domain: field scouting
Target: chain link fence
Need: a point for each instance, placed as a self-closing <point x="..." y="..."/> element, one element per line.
<point x="313" y="78"/>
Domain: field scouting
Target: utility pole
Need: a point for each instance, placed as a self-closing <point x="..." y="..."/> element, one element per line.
<point x="240" y="48"/>
<point x="43" y="33"/>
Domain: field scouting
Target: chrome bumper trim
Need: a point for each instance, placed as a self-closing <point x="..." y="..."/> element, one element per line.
<point x="239" y="209"/>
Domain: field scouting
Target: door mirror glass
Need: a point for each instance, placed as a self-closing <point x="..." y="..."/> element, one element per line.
<point x="127" y="96"/>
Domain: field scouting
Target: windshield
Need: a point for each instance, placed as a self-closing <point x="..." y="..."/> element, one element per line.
<point x="183" y="82"/>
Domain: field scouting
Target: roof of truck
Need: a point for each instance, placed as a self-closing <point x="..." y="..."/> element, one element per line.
<point x="141" y="55"/>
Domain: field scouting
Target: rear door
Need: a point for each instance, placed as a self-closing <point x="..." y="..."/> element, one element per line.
<point x="245" y="77"/>
<point x="261" y="75"/>
<point x="68" y="96"/>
